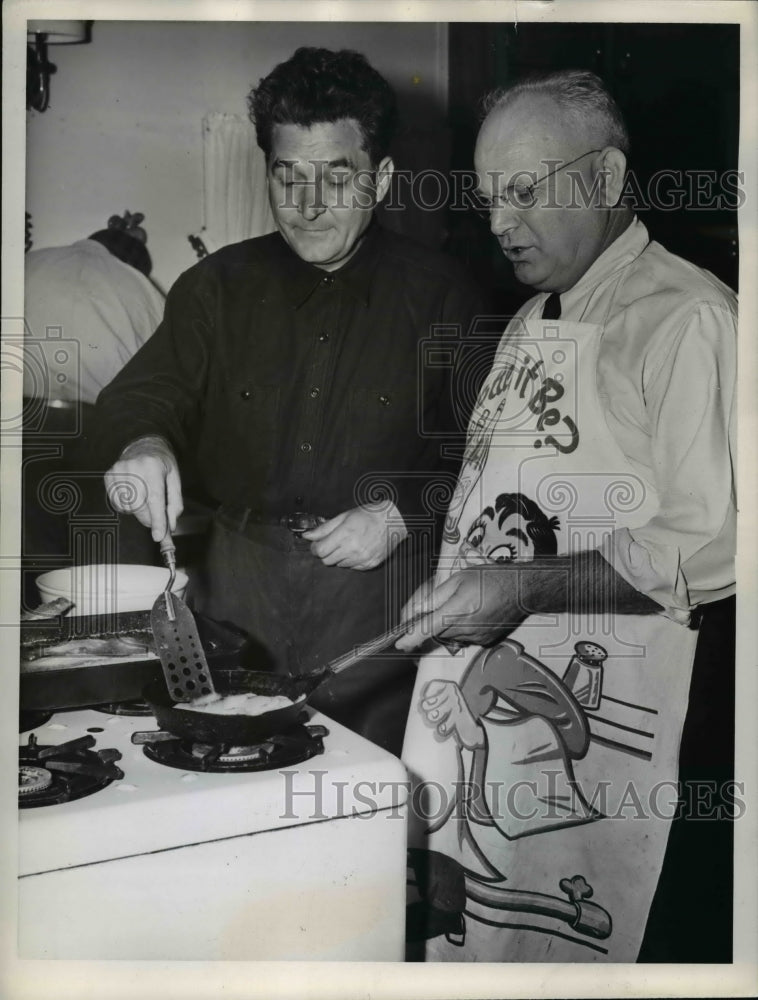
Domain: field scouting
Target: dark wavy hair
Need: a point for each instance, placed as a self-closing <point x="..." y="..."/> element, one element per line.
<point x="540" y="528"/>
<point x="127" y="248"/>
<point x="319" y="85"/>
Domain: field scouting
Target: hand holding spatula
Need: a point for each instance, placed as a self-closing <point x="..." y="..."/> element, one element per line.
<point x="177" y="642"/>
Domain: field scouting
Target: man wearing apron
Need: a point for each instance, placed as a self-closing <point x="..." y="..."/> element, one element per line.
<point x="594" y="512"/>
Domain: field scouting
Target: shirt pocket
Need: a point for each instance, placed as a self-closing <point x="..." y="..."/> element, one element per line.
<point x="255" y="423"/>
<point x="382" y="428"/>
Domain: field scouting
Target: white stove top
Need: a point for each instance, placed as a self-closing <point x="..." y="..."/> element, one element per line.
<point x="156" y="808"/>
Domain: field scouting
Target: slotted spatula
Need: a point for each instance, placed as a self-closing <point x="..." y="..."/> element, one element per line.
<point x="176" y="640"/>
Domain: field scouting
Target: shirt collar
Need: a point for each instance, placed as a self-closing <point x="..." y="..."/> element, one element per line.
<point x="624" y="249"/>
<point x="355" y="276"/>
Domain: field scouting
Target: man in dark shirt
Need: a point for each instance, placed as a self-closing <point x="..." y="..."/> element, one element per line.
<point x="292" y="369"/>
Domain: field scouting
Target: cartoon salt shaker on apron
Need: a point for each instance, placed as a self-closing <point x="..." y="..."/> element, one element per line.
<point x="544" y="768"/>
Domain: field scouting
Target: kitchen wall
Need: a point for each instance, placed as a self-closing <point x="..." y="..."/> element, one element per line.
<point x="123" y="130"/>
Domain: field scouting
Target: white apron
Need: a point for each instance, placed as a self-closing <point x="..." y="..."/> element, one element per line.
<point x="544" y="770"/>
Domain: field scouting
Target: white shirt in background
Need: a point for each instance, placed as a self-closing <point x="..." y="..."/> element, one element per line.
<point x="86" y="314"/>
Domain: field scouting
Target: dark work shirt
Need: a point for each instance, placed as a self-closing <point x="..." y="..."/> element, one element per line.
<point x="293" y="388"/>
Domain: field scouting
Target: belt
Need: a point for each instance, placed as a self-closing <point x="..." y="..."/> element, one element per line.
<point x="297" y="521"/>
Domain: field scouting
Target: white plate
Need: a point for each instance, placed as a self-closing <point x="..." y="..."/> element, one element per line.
<point x="108" y="588"/>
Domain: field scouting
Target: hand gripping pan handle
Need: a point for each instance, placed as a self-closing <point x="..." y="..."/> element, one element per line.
<point x="381" y="642"/>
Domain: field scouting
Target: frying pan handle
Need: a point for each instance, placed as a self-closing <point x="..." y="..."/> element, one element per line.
<point x="373" y="646"/>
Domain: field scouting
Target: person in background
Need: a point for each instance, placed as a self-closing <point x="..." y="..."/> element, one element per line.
<point x="291" y="367"/>
<point x="97" y="293"/>
<point x="88" y="307"/>
<point x="611" y="406"/>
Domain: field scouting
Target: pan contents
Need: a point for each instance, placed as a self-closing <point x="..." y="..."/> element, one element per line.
<point x="121" y="646"/>
<point x="237" y="704"/>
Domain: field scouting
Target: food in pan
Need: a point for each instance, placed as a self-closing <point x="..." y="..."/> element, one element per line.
<point x="118" y="646"/>
<point x="237" y="704"/>
<point x="49" y="610"/>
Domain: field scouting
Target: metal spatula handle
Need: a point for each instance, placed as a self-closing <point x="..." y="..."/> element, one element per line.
<point x="168" y="552"/>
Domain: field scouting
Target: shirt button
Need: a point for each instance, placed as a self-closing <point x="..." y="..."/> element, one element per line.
<point x="315" y="392"/>
<point x="306" y="446"/>
<point x="384" y="400"/>
<point x="245" y="393"/>
<point x="327" y="280"/>
<point x="299" y="501"/>
<point x="323" y="337"/>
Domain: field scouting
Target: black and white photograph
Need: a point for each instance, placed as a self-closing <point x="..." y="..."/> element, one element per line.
<point x="378" y="526"/>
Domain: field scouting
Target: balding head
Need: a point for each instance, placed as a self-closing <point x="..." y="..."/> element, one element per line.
<point x="580" y="101"/>
<point x="532" y="123"/>
<point x="553" y="184"/>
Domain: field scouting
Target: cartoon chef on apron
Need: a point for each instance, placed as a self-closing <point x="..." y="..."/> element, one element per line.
<point x="545" y="767"/>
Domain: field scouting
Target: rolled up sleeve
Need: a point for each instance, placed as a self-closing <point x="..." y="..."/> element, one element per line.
<point x="684" y="555"/>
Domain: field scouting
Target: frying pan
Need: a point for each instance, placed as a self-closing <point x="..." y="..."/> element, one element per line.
<point x="243" y="730"/>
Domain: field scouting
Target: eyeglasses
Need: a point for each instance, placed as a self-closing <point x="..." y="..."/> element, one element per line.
<point x="522" y="196"/>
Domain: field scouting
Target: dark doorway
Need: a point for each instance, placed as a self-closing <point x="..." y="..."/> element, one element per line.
<point x="678" y="88"/>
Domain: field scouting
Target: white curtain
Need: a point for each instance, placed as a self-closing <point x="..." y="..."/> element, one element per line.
<point x="235" y="203"/>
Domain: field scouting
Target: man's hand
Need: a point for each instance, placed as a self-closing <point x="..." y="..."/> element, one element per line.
<point x="145" y="482"/>
<point x="477" y="606"/>
<point x="482" y="604"/>
<point x="361" y="538"/>
<point x="446" y="710"/>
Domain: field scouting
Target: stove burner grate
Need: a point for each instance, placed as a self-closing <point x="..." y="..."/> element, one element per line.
<point x="49" y="775"/>
<point x="234" y="755"/>
<point x="282" y="750"/>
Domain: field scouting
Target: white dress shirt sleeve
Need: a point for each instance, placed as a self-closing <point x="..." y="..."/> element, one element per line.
<point x="686" y="550"/>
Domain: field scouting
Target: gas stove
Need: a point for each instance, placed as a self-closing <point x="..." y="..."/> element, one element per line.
<point x="50" y="775"/>
<point x="155" y="855"/>
<point x="298" y="743"/>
